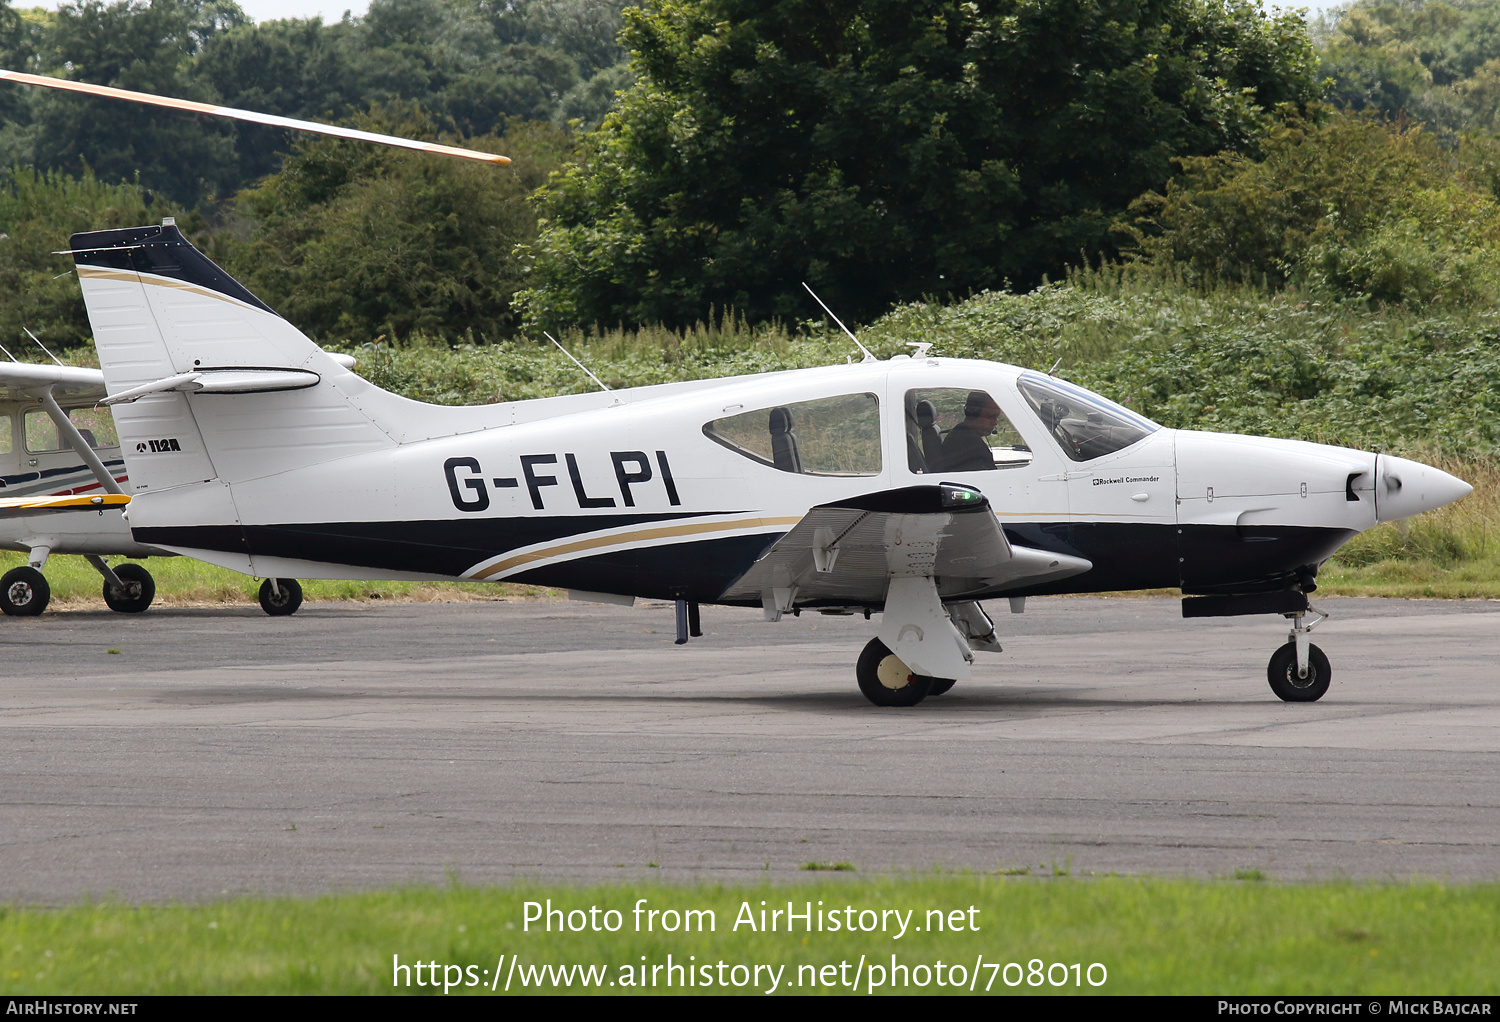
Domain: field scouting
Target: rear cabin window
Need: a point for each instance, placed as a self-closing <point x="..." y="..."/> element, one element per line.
<point x="5" y="428"/>
<point x="96" y="425"/>
<point x="1085" y="425"/>
<point x="828" y="436"/>
<point x="953" y="430"/>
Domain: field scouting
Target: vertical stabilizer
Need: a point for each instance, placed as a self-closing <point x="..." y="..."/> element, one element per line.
<point x="160" y="310"/>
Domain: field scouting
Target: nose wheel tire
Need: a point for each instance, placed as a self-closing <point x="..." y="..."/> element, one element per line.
<point x="1282" y="673"/>
<point x="941" y="685"/>
<point x="24" y="592"/>
<point x="136" y="594"/>
<point x="886" y="681"/>
<point x="283" y="603"/>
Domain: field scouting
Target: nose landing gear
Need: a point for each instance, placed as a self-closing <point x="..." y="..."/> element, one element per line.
<point x="1298" y="671"/>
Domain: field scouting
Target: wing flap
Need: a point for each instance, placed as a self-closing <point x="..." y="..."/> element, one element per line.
<point x="849" y="551"/>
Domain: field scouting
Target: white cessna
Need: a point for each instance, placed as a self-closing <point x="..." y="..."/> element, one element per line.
<point x="915" y="487"/>
<point x="57" y="442"/>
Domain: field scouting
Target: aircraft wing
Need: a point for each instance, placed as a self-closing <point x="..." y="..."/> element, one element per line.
<point x="847" y="552"/>
<point x="76" y="381"/>
<point x="28" y="507"/>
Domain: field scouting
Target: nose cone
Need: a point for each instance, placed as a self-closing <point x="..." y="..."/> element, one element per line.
<point x="1405" y="488"/>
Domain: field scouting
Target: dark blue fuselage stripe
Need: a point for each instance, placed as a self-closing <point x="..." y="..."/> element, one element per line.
<point x="1125" y="556"/>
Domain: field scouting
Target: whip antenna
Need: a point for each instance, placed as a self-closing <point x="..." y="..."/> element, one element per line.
<point x="39" y="344"/>
<point x="579" y="364"/>
<point x="868" y="356"/>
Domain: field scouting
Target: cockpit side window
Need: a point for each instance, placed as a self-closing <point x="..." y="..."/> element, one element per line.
<point x="953" y="430"/>
<point x="1085" y="425"/>
<point x="829" y="436"/>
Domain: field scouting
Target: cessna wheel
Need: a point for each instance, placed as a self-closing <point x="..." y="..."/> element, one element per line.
<point x="941" y="685"/>
<point x="1282" y="673"/>
<point x="283" y="603"/>
<point x="137" y="593"/>
<point x="24" y="592"/>
<point x="886" y="680"/>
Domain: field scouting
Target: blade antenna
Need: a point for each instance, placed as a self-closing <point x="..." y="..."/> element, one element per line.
<point x="579" y="364"/>
<point x="868" y="356"/>
<point x="39" y="344"/>
<point x="1053" y="370"/>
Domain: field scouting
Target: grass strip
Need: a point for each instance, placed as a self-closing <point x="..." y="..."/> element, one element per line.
<point x="1153" y="936"/>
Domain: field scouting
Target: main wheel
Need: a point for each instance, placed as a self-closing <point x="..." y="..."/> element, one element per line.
<point x="1282" y="673"/>
<point x="283" y="603"/>
<point x="886" y="681"/>
<point x="24" y="592"/>
<point x="941" y="685"/>
<point x="137" y="593"/>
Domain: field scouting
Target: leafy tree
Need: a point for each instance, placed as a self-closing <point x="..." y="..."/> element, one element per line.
<point x="38" y="212"/>
<point x="886" y="149"/>
<point x="351" y="241"/>
<point x="1356" y="206"/>
<point x="148" y="46"/>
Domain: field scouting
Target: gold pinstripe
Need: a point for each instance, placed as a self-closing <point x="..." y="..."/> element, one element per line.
<point x="138" y="278"/>
<point x="619" y="539"/>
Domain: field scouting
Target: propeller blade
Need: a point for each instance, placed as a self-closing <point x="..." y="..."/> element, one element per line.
<point x="250" y="115"/>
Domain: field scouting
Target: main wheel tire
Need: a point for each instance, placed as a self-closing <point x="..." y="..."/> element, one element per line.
<point x="24" y="592"/>
<point x="941" y="685"/>
<point x="1282" y="674"/>
<point x="886" y="681"/>
<point x="137" y="594"/>
<point x="283" y="603"/>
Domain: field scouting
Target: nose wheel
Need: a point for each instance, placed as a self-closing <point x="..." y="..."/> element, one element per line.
<point x="1293" y="687"/>
<point x="1298" y="671"/>
<point x="280" y="596"/>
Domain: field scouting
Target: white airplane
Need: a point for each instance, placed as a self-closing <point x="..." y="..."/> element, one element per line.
<point x="57" y="441"/>
<point x="915" y="487"/>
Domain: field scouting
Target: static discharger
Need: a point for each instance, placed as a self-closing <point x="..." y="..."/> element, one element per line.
<point x="251" y="116"/>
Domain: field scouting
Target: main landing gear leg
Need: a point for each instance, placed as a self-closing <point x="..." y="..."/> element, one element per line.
<point x="1299" y="671"/>
<point x="917" y="648"/>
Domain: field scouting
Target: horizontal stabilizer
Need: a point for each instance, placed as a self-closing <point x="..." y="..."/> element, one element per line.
<point x="237" y="380"/>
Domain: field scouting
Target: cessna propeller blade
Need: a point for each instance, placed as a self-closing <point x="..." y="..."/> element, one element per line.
<point x="250" y="115"/>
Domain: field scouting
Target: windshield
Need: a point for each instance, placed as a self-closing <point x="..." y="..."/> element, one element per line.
<point x="1085" y="425"/>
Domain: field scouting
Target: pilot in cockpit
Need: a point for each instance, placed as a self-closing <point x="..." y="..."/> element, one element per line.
<point x="964" y="449"/>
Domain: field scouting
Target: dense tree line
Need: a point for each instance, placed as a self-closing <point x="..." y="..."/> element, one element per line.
<point x="886" y="149"/>
<point x="1435" y="62"/>
<point x="694" y="155"/>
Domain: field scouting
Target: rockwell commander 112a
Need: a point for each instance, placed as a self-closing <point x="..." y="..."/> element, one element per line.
<point x="915" y="488"/>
